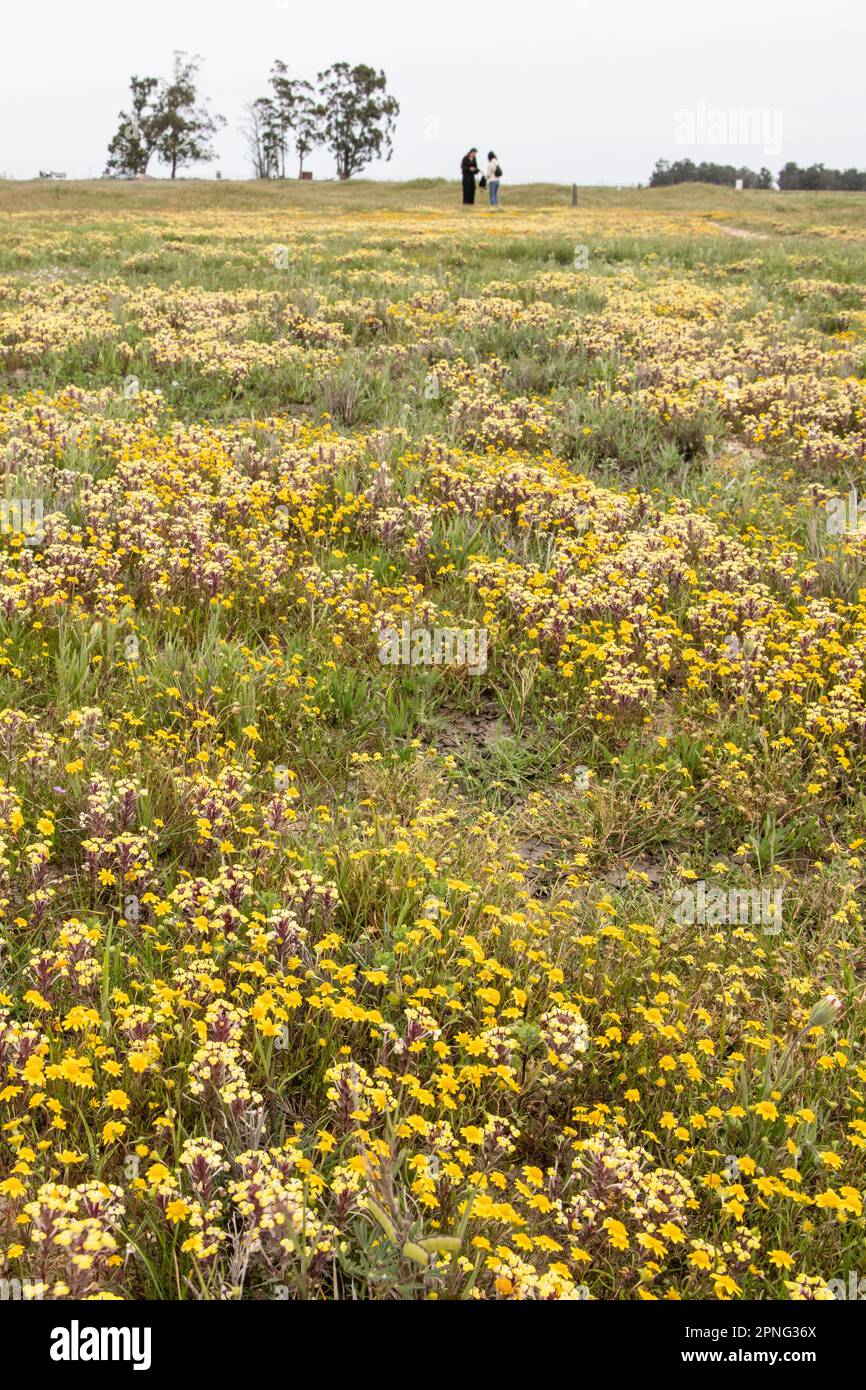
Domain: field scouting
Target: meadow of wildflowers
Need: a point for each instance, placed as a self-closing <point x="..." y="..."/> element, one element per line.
<point x="328" y="974"/>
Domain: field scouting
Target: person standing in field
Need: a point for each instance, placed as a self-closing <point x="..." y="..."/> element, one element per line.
<point x="469" y="168"/>
<point x="493" y="176"/>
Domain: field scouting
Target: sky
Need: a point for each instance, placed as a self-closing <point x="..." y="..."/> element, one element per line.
<point x="586" y="91"/>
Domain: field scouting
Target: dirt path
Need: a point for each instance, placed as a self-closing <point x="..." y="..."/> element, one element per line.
<point x="741" y="231"/>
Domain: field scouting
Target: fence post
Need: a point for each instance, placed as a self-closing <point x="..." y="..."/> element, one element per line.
<point x="574" y="195"/>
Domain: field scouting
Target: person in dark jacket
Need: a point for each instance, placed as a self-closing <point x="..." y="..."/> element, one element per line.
<point x="469" y="168"/>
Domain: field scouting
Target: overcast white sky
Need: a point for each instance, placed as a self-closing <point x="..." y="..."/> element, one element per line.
<point x="585" y="90"/>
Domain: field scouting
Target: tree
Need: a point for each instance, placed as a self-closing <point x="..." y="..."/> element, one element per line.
<point x="298" y="112"/>
<point x="685" y="171"/>
<point x="817" y="177"/>
<point x="256" y="132"/>
<point x="293" y="112"/>
<point x="185" y="126"/>
<point x="136" y="138"/>
<point x="358" y="116"/>
<point x="273" y="139"/>
<point x="307" y="128"/>
<point x="853" y="179"/>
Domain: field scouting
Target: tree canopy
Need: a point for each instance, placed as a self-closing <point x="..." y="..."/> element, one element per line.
<point x="167" y="118"/>
<point x="359" y="116"/>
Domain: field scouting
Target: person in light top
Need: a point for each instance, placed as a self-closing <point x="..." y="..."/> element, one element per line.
<point x="493" y="175"/>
